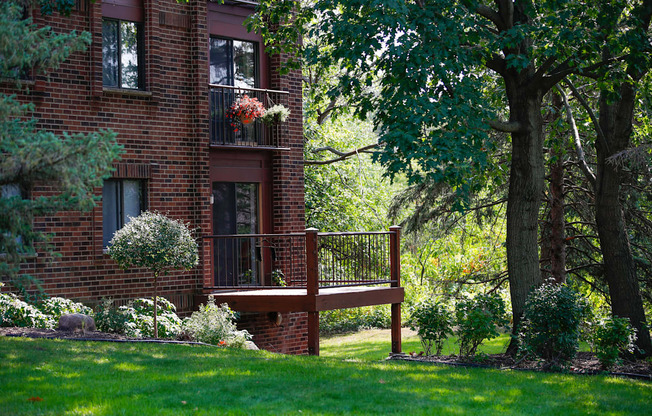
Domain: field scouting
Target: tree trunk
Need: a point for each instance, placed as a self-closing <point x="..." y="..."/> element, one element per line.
<point x="553" y="249"/>
<point x="620" y="271"/>
<point x="525" y="189"/>
<point x="553" y="233"/>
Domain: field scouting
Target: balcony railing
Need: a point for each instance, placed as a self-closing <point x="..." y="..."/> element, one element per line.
<point x="226" y="132"/>
<point x="309" y="260"/>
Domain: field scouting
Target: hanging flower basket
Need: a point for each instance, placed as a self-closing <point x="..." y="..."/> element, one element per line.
<point x="245" y="110"/>
<point x="275" y="114"/>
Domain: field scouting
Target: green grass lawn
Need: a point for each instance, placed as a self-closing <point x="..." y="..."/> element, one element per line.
<point x="375" y="344"/>
<point x="85" y="378"/>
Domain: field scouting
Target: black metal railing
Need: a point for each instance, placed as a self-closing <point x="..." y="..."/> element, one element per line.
<point x="252" y="260"/>
<point x="350" y="259"/>
<point x="225" y="131"/>
<point x="309" y="260"/>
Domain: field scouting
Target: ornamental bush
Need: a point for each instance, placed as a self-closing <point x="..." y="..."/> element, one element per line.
<point x="156" y="242"/>
<point x="478" y="319"/>
<point x="109" y="319"/>
<point x="433" y="323"/>
<point x="215" y="325"/>
<point x="550" y="327"/>
<point x="15" y="312"/>
<point x="56" y="306"/>
<point x="612" y="337"/>
<point x="339" y="321"/>
<point x="139" y="322"/>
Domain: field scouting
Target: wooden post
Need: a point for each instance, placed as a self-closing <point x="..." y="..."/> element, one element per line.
<point x="395" y="267"/>
<point x="312" y="288"/>
<point x="312" y="271"/>
<point x="313" y="333"/>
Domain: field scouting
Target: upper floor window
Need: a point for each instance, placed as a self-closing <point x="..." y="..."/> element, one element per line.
<point x="121" y="200"/>
<point x="233" y="62"/>
<point x="122" y="54"/>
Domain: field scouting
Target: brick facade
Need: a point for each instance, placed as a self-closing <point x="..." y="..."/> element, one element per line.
<point x="165" y="133"/>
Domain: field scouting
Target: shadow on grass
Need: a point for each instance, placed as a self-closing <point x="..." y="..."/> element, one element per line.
<point x="80" y="378"/>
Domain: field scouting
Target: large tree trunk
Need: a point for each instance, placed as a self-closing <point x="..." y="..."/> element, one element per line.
<point x="525" y="189"/>
<point x="620" y="270"/>
<point x="553" y="235"/>
<point x="553" y="248"/>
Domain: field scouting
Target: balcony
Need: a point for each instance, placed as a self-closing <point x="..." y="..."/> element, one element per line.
<point x="308" y="272"/>
<point x="225" y="132"/>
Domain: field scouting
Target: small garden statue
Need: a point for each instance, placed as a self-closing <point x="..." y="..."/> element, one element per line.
<point x="156" y="242"/>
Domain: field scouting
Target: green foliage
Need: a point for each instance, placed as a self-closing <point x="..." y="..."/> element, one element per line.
<point x="109" y="319"/>
<point x="156" y="242"/>
<point x="612" y="337"/>
<point x="478" y="319"/>
<point x="433" y="323"/>
<point x="350" y="195"/>
<point x="354" y="319"/>
<point x="72" y="164"/>
<point x="215" y="325"/>
<point x="45" y="314"/>
<point x="56" y="306"/>
<point x="15" y="312"/>
<point x="275" y="114"/>
<point x="550" y="328"/>
<point x="135" y="319"/>
<point x="140" y="324"/>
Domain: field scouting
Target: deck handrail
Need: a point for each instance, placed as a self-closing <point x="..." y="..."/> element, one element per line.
<point x="233" y="87"/>
<point x="309" y="259"/>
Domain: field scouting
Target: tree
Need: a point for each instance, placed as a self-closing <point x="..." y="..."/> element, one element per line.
<point x="157" y="243"/>
<point x="72" y="165"/>
<point x="449" y="73"/>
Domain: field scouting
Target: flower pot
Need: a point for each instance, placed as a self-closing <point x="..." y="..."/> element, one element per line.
<point x="246" y="120"/>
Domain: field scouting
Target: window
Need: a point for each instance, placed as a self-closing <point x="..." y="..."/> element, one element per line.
<point x="122" y="55"/>
<point x="235" y="208"/>
<point x="235" y="211"/>
<point x="233" y="62"/>
<point x="121" y="199"/>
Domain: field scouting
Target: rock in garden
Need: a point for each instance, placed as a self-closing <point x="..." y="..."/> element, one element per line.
<point x="249" y="345"/>
<point x="76" y="322"/>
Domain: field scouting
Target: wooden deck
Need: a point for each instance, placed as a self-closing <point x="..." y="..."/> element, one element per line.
<point x="301" y="300"/>
<point x="298" y="299"/>
<point x="351" y="277"/>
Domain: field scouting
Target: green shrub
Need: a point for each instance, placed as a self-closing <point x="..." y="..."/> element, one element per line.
<point x="354" y="319"/>
<point x="158" y="243"/>
<point x="15" y="312"/>
<point x="109" y="319"/>
<point x="478" y="319"/>
<point x="55" y="307"/>
<point x="214" y="324"/>
<point x="612" y="337"/>
<point x="550" y="327"/>
<point x="432" y="321"/>
<point x="139" y="322"/>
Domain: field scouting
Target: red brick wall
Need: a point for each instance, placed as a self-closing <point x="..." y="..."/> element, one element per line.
<point x="164" y="131"/>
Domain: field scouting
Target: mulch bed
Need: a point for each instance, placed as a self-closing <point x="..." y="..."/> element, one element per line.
<point x="584" y="363"/>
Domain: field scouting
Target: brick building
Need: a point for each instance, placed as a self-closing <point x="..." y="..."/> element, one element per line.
<point x="161" y="74"/>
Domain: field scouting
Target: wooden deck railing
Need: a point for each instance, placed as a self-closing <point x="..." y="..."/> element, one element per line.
<point x="310" y="260"/>
<point x="225" y="132"/>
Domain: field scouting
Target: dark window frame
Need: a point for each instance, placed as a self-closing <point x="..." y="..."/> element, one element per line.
<point x="257" y="60"/>
<point x="119" y="209"/>
<point x="140" y="49"/>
